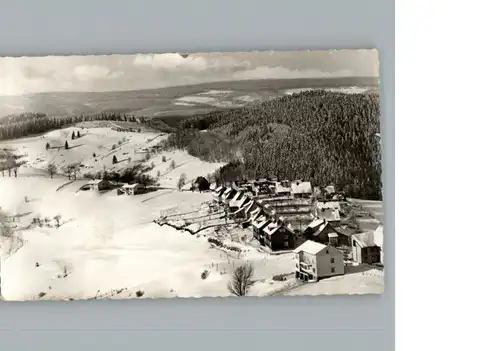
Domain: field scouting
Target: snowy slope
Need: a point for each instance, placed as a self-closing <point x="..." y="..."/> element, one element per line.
<point x="107" y="242"/>
<point x="107" y="246"/>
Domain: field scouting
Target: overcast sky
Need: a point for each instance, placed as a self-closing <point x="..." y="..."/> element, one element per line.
<point x="142" y="71"/>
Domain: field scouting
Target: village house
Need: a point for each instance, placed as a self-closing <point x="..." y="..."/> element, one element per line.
<point x="99" y="185"/>
<point x="237" y="204"/>
<point x="329" y="211"/>
<point x="319" y="230"/>
<point x="261" y="187"/>
<point x="314" y="261"/>
<point x="329" y="192"/>
<point x="228" y="195"/>
<point x="278" y="237"/>
<point x="132" y="189"/>
<point x="258" y="228"/>
<point x="283" y="188"/>
<point x="250" y="208"/>
<point x="344" y="236"/>
<point x="367" y="247"/>
<point x="241" y="213"/>
<point x="301" y="189"/>
<point x="218" y="192"/>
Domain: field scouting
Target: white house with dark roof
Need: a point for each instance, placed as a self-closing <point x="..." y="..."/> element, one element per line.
<point x="314" y="261"/>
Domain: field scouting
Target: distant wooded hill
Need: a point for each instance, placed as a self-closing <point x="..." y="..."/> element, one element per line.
<point x="327" y="138"/>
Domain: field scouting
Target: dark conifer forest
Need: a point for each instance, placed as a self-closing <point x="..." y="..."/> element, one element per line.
<point x="324" y="137"/>
<point x="28" y="124"/>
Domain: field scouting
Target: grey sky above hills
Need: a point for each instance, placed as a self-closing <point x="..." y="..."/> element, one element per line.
<point x="31" y="75"/>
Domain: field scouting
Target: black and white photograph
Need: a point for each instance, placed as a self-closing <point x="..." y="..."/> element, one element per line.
<point x="190" y="175"/>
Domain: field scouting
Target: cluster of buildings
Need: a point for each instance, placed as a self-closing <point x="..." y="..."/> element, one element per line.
<point x="102" y="185"/>
<point x="285" y="215"/>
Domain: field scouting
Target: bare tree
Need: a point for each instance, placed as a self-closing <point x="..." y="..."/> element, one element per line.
<point x="241" y="281"/>
<point x="5" y="226"/>
<point x="9" y="242"/>
<point x="51" y="168"/>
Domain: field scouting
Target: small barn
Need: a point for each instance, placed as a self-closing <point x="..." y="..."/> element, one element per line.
<point x="99" y="185"/>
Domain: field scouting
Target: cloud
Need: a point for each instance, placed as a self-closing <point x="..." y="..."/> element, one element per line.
<point x="143" y="71"/>
<point x="265" y="72"/>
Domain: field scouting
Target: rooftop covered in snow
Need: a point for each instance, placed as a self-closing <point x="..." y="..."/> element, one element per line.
<point x="310" y="247"/>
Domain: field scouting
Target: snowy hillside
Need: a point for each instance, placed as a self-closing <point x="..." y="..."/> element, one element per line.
<point x="76" y="244"/>
<point x="96" y="147"/>
<point x="87" y="244"/>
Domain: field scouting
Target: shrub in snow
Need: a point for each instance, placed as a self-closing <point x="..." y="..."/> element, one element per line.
<point x="113" y="147"/>
<point x="58" y="221"/>
<point x="164" y="159"/>
<point x="182" y="181"/>
<point x="41" y="294"/>
<point x="205" y="274"/>
<point x="139" y="293"/>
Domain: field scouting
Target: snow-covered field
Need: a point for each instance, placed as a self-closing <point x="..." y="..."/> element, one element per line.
<point x="106" y="143"/>
<point x="107" y="246"/>
<point x="107" y="242"/>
